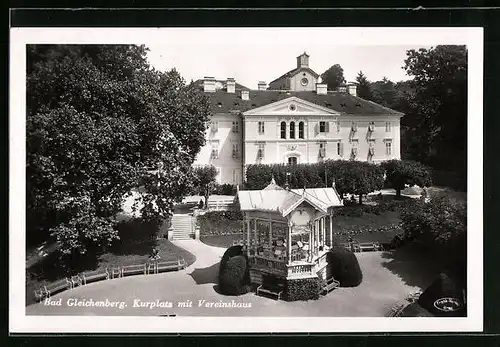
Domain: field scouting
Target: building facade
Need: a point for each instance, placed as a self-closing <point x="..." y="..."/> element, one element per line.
<point x="290" y="125"/>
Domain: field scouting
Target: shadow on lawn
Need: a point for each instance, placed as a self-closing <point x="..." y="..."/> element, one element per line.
<point x="136" y="237"/>
<point x="414" y="265"/>
<point x="206" y="275"/>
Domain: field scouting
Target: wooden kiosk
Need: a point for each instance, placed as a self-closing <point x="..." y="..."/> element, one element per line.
<point x="287" y="233"/>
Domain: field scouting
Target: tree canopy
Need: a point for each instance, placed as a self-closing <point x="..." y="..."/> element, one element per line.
<point x="435" y="123"/>
<point x="205" y="180"/>
<point x="364" y="87"/>
<point x="402" y="172"/>
<point x="333" y="77"/>
<point x="101" y="122"/>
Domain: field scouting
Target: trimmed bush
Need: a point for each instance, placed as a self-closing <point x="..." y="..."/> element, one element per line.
<point x="234" y="276"/>
<point x="445" y="286"/>
<point x="232" y="251"/>
<point x="344" y="267"/>
<point x="415" y="310"/>
<point x="225" y="189"/>
<point x="220" y="223"/>
<point x="303" y="289"/>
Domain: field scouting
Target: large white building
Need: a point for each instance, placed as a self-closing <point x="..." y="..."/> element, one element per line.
<point x="295" y="120"/>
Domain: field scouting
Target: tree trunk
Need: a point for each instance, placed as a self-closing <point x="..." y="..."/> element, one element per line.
<point x="398" y="193"/>
<point x="360" y="199"/>
<point x="207" y="195"/>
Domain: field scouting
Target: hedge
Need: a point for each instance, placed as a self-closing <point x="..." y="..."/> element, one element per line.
<point x="232" y="251"/>
<point x="344" y="267"/>
<point x="234" y="276"/>
<point x="303" y="289"/>
<point x="220" y="223"/>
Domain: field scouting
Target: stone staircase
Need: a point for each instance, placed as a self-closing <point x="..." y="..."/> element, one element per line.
<point x="181" y="227"/>
<point x="255" y="277"/>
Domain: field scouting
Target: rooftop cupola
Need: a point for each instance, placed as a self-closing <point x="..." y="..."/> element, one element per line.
<point x="303" y="60"/>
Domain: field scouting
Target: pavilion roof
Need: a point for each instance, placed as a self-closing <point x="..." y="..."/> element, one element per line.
<point x="274" y="198"/>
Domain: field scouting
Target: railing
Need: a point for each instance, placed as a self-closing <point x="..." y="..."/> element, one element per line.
<point x="221" y="205"/>
<point x="300" y="270"/>
<point x="271" y="265"/>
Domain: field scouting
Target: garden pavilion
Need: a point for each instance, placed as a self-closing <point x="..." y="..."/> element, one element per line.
<point x="285" y="230"/>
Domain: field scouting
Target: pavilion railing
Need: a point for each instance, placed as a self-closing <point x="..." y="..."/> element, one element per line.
<point x="274" y="265"/>
<point x="300" y="270"/>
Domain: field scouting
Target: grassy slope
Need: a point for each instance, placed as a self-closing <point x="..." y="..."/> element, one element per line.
<point x="136" y="243"/>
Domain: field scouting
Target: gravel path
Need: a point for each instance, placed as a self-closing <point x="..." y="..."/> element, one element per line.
<point x="192" y="292"/>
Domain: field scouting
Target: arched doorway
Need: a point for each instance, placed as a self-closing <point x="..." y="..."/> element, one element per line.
<point x="292" y="160"/>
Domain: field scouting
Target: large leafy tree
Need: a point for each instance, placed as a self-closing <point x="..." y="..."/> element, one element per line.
<point x="364" y="87"/>
<point x="333" y="77"/>
<point x="384" y="92"/>
<point x="205" y="180"/>
<point x="436" y="122"/>
<point x="402" y="172"/>
<point x="100" y="122"/>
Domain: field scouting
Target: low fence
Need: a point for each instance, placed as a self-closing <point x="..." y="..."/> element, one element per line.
<point x="151" y="267"/>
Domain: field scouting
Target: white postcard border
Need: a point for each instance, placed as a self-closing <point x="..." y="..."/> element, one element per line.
<point x="20" y="323"/>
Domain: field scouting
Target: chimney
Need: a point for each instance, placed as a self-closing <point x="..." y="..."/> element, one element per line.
<point x="230" y="85"/>
<point x="245" y="95"/>
<point x="321" y="89"/>
<point x="352" y="89"/>
<point x="209" y="84"/>
<point x="262" y="85"/>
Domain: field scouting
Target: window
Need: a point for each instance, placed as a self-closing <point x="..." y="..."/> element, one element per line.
<point x="283" y="130"/>
<point x="388" y="148"/>
<point x="322" y="149"/>
<point x="304" y="81"/>
<point x="338" y="126"/>
<point x="323" y="127"/>
<point x="218" y="178"/>
<point x="292" y="160"/>
<point x="292" y="130"/>
<point x="215" y="150"/>
<point x="340" y="149"/>
<point x="236" y="150"/>
<point x="371" y="150"/>
<point x="371" y="127"/>
<point x="236" y="176"/>
<point x="354" y="150"/>
<point x="354" y="127"/>
<point x="261" y="127"/>
<point x="387" y="127"/>
<point x="301" y="130"/>
<point x="236" y="127"/>
<point x="215" y="126"/>
<point x="260" y="151"/>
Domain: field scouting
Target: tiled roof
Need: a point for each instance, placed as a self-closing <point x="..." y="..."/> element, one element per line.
<point x="223" y="102"/>
<point x="294" y="72"/>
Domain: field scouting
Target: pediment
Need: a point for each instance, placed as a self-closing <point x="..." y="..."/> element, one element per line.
<point x="290" y="106"/>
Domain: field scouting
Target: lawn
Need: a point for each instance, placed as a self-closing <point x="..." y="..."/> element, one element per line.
<point x="340" y="224"/>
<point x="136" y="243"/>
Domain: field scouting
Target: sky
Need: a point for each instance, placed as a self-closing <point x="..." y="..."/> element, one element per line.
<point x="256" y="55"/>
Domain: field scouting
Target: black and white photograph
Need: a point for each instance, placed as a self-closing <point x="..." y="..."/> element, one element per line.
<point x="269" y="179"/>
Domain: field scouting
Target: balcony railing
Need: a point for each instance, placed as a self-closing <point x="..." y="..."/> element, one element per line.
<point x="270" y="265"/>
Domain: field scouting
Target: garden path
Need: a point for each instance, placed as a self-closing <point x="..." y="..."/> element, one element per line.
<point x="381" y="288"/>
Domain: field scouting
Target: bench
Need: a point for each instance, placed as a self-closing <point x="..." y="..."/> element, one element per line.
<point x="76" y="281"/>
<point x="272" y="291"/>
<point x="116" y="272"/>
<point x="134" y="270"/>
<point x="330" y="284"/>
<point x="158" y="267"/>
<point x="57" y="287"/>
<point x="366" y="246"/>
<point x="93" y="276"/>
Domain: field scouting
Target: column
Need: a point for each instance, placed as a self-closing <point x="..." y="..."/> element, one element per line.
<point x="255" y="235"/>
<point x="323" y="232"/>
<point x="270" y="232"/>
<point x="249" y="244"/>
<point x="331" y="231"/>
<point x="310" y="241"/>
<point x="289" y="242"/>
